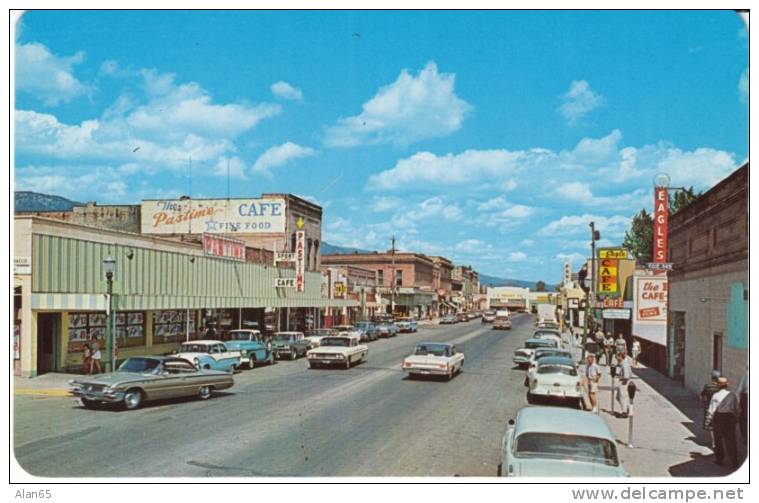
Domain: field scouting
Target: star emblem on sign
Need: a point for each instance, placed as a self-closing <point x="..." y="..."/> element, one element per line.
<point x="300" y="223"/>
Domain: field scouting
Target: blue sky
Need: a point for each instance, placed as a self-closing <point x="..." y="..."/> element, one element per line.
<point x="492" y="138"/>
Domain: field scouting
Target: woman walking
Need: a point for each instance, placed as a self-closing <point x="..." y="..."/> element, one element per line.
<point x="87" y="357"/>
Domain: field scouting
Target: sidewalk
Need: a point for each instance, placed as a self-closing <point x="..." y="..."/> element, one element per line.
<point x="51" y="384"/>
<point x="667" y="436"/>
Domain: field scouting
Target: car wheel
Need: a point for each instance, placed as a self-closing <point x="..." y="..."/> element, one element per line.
<point x="293" y="354"/>
<point x="132" y="399"/>
<point x="271" y="359"/>
<point x="90" y="404"/>
<point x="204" y="392"/>
<point x="526" y="381"/>
<point x="206" y="367"/>
<point x="312" y="365"/>
<point x="251" y="363"/>
<point x="348" y="363"/>
<point x="499" y="472"/>
<point x="530" y="399"/>
<point x="450" y="374"/>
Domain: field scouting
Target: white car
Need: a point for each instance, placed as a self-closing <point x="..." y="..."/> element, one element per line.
<point x="339" y="350"/>
<point x="522" y="355"/>
<point x="315" y="336"/>
<point x="559" y="442"/>
<point x="545" y="333"/>
<point x="213" y="355"/>
<point x="348" y="330"/>
<point x="433" y="358"/>
<point x="543" y="353"/>
<point x="556" y="378"/>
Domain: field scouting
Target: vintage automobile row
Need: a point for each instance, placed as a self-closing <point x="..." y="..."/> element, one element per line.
<point x="545" y="441"/>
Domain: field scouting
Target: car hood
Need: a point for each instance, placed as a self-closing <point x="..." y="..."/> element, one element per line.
<point x="281" y="344"/>
<point x="114" y="378"/>
<point x="334" y="349"/>
<point x="563" y="468"/>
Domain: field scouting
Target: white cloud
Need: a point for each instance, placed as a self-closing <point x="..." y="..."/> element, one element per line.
<point x="572" y="258"/>
<point x="517" y="257"/>
<point x="46" y="76"/>
<point x="385" y="203"/>
<point x="101" y="183"/>
<point x="411" y="109"/>
<point x="233" y="166"/>
<point x="471" y="246"/>
<point x="496" y="203"/>
<point x="578" y="226"/>
<point x="743" y="86"/>
<point x="436" y="207"/>
<point x="579" y="101"/>
<point x="517" y="211"/>
<point x="286" y="91"/>
<point x="280" y="155"/>
<point x="528" y="242"/>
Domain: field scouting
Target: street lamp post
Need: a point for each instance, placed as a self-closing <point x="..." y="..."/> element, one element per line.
<point x="109" y="268"/>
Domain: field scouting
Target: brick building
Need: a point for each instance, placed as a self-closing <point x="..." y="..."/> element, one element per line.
<point x="708" y="287"/>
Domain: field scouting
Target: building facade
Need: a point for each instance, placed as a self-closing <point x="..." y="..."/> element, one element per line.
<point x="708" y="286"/>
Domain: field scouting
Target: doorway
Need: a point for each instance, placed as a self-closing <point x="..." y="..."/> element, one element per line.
<point x="48" y="342"/>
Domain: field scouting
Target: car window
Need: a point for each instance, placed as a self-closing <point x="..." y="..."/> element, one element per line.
<point x="195" y="348"/>
<point x="139" y="365"/>
<point x="335" y="341"/>
<point x="568" y="447"/>
<point x="557" y="369"/>
<point x="178" y="367"/>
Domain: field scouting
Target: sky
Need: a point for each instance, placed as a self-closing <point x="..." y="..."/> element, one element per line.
<point x="492" y="138"/>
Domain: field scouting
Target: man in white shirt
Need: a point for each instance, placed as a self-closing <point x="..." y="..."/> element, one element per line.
<point x="742" y="393"/>
<point x="592" y="376"/>
<point x="623" y="373"/>
<point x="724" y="409"/>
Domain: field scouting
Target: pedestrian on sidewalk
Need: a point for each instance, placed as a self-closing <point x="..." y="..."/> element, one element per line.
<point x="725" y="409"/>
<point x="599" y="340"/>
<point x="96" y="356"/>
<point x="623" y="373"/>
<point x="706" y="398"/>
<point x="609" y="349"/>
<point x="87" y="356"/>
<point x="742" y="393"/>
<point x="592" y="377"/>
<point x="620" y="345"/>
<point x="635" y="351"/>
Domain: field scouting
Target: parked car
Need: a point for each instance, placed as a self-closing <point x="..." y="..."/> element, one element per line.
<point x="369" y="331"/>
<point x="316" y="335"/>
<point x="540" y="353"/>
<point x="387" y="329"/>
<point x="406" y="324"/>
<point x="556" y="378"/>
<point x="339" y="350"/>
<point x="143" y="378"/>
<point x="450" y="319"/>
<point x="544" y="333"/>
<point x="433" y="358"/>
<point x="559" y="442"/>
<point x="213" y="355"/>
<point x="347" y="330"/>
<point x="488" y="317"/>
<point x="522" y="355"/>
<point x="547" y="324"/>
<point x="251" y="345"/>
<point x="289" y="345"/>
<point x="462" y="317"/>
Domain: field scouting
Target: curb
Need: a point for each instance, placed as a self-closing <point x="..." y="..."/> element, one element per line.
<point x="55" y="392"/>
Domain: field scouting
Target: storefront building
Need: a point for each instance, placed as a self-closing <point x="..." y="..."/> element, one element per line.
<point x="164" y="292"/>
<point x="512" y="298"/>
<point x="708" y="285"/>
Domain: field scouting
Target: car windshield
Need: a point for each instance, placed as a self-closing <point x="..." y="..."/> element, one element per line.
<point x="335" y="341"/>
<point x="431" y="349"/>
<point x="539" y="344"/>
<point x="568" y="447"/>
<point x="140" y="365"/>
<point x="284" y="338"/>
<point x="320" y="332"/>
<point x="542" y="353"/>
<point x="244" y="336"/>
<point x="364" y="324"/>
<point x="344" y="328"/>
<point x="557" y="369"/>
<point x="195" y="348"/>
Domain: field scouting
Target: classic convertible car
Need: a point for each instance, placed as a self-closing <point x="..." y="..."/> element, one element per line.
<point x="143" y="378"/>
<point x="559" y="442"/>
<point x="556" y="378"/>
<point x="213" y="355"/>
<point x="250" y="343"/>
<point x="289" y="344"/>
<point x="339" y="350"/>
<point x="433" y="358"/>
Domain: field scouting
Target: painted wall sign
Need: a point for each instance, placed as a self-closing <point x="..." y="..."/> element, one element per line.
<point x="215" y="216"/>
<point x="22" y="265"/>
<point x="615" y="253"/>
<point x="650" y="308"/>
<point x="607" y="276"/>
<point x="300" y="260"/>
<point x="217" y="246"/>
<point x="661" y="222"/>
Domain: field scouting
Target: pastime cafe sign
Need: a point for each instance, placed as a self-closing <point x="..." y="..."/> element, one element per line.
<point x="213" y="216"/>
<point x="217" y="246"/>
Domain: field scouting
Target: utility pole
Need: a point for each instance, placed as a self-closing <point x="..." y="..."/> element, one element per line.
<point x="392" y="276"/>
<point x="594" y="236"/>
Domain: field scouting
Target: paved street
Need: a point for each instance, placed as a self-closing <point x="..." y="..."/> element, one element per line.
<point x="288" y="420"/>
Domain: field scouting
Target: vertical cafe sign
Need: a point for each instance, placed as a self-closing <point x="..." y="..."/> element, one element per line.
<point x="661" y="221"/>
<point x="300" y="260"/>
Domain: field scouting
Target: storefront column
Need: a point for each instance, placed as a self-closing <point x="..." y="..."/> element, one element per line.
<point x="149" y="329"/>
<point x="63" y="347"/>
<point x="28" y="338"/>
<point x="287" y="319"/>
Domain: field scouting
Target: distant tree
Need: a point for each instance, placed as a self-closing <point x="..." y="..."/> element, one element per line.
<point x="540" y="286"/>
<point x="640" y="238"/>
<point x="682" y="198"/>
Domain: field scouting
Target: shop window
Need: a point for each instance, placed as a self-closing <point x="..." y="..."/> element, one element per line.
<point x="84" y="327"/>
<point x="717" y="351"/>
<point x="380" y="277"/>
<point x="171" y="326"/>
<point x="398" y="278"/>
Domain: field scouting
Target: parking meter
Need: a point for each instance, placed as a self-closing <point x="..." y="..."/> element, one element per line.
<point x="631" y="390"/>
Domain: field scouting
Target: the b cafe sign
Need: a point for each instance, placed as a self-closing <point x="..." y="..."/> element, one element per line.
<point x="221" y="216"/>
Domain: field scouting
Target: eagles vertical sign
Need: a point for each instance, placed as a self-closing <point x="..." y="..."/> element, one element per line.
<point x="300" y="260"/>
<point x="661" y="222"/>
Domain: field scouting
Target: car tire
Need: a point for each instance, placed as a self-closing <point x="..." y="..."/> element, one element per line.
<point x="251" y="363"/>
<point x="348" y="363"/>
<point x="271" y="359"/>
<point x="293" y="354"/>
<point x="133" y="399"/>
<point x="90" y="404"/>
<point x="205" y="392"/>
<point x="451" y="374"/>
<point x="312" y="365"/>
<point x="499" y="471"/>
<point x="531" y="399"/>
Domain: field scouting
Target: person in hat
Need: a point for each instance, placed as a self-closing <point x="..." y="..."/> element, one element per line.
<point x="706" y="398"/>
<point x="724" y="408"/>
